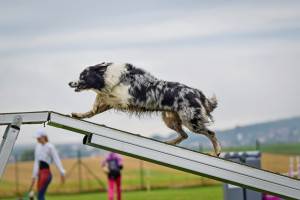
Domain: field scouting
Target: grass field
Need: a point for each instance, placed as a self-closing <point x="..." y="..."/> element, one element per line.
<point x="131" y="177"/>
<point x="200" y="193"/>
<point x="160" y="177"/>
<point x="291" y="148"/>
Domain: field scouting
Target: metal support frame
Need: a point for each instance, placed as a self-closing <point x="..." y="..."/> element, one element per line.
<point x="161" y="153"/>
<point x="8" y="141"/>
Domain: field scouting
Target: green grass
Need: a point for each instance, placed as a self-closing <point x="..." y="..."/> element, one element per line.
<point x="290" y="148"/>
<point x="199" y="193"/>
<point x="159" y="178"/>
<point x="233" y="149"/>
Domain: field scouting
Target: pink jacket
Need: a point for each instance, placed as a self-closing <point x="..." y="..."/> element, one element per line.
<point x="112" y="155"/>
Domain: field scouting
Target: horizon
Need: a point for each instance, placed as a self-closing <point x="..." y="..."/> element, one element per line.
<point x="171" y="132"/>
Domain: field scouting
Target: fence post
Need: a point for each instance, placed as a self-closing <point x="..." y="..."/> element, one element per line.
<point x="291" y="169"/>
<point x="17" y="175"/>
<point x="298" y="167"/>
<point x="142" y="174"/>
<point x="79" y="170"/>
<point x="148" y="182"/>
<point x="257" y="145"/>
<point x="200" y="147"/>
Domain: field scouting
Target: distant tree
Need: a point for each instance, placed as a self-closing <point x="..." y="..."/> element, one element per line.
<point x="27" y="155"/>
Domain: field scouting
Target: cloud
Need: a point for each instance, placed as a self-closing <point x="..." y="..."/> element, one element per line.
<point x="245" y="53"/>
<point x="236" y="19"/>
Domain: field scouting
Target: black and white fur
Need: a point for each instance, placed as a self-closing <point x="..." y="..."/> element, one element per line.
<point x="128" y="88"/>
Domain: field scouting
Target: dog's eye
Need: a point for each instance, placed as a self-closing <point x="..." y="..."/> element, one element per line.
<point x="82" y="75"/>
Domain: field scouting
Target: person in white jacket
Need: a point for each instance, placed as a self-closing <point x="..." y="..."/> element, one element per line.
<point x="44" y="155"/>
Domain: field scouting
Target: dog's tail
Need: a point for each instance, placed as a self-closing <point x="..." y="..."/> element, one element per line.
<point x="209" y="104"/>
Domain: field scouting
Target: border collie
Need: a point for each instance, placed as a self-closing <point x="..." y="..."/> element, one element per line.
<point x="131" y="89"/>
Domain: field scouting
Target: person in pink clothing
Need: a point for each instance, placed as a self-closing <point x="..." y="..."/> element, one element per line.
<point x="115" y="165"/>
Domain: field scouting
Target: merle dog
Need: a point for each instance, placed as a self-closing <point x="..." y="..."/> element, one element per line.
<point x="128" y="88"/>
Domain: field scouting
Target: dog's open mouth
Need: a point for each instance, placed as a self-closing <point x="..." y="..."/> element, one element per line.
<point x="79" y="88"/>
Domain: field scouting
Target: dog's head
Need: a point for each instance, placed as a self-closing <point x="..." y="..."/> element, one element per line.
<point x="90" y="78"/>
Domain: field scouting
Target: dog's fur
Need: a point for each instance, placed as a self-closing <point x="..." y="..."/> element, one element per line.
<point x="128" y="88"/>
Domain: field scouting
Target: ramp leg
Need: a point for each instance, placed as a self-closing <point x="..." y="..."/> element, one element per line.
<point x="8" y="141"/>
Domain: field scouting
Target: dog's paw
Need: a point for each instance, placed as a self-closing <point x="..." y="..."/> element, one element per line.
<point x="171" y="142"/>
<point x="217" y="153"/>
<point x="76" y="115"/>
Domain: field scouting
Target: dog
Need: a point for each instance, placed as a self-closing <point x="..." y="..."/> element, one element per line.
<point x="127" y="88"/>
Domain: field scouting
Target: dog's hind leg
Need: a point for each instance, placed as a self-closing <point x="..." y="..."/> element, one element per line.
<point x="98" y="107"/>
<point x="212" y="136"/>
<point x="195" y="122"/>
<point x="173" y="121"/>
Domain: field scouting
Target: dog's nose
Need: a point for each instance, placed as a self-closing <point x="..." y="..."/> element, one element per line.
<point x="73" y="84"/>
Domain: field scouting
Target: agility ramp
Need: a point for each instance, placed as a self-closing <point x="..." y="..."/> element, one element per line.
<point x="143" y="148"/>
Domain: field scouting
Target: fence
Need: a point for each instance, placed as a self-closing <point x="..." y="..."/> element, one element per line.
<point x="86" y="175"/>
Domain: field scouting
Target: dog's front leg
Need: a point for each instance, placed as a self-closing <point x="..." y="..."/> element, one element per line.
<point x="82" y="115"/>
<point x="98" y="107"/>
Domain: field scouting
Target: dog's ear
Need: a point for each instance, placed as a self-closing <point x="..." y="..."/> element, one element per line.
<point x="101" y="67"/>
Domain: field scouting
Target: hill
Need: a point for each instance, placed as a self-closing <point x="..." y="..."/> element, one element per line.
<point x="280" y="131"/>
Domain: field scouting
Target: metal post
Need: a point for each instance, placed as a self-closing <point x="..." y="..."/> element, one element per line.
<point x="148" y="183"/>
<point x="4" y="137"/>
<point x="298" y="167"/>
<point x="17" y="175"/>
<point x="200" y="147"/>
<point x="142" y="174"/>
<point x="291" y="169"/>
<point x="79" y="170"/>
<point x="8" y="141"/>
<point x="257" y="145"/>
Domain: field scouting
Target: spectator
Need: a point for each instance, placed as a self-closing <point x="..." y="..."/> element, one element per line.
<point x="113" y="163"/>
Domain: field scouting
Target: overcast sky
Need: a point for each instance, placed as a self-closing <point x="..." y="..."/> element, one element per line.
<point x="245" y="52"/>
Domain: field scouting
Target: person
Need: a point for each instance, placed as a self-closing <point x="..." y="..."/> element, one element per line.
<point x="44" y="155"/>
<point x="114" y="164"/>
